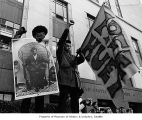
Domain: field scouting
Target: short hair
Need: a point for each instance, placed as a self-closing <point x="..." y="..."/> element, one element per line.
<point x="34" y="48"/>
<point x="121" y="108"/>
<point x="39" y="29"/>
<point x="81" y="91"/>
<point x="88" y="99"/>
<point x="15" y="62"/>
<point x="94" y="103"/>
<point x="68" y="41"/>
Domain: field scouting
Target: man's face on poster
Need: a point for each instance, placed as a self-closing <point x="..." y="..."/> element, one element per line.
<point x="34" y="52"/>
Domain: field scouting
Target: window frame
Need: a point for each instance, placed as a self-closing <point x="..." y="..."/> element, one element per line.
<point x="90" y="19"/>
<point x="137" y="50"/>
<point x="118" y="8"/>
<point x="63" y="4"/>
<point x="108" y="4"/>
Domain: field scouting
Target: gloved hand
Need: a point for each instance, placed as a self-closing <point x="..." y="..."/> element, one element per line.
<point x="78" y="51"/>
<point x="71" y="22"/>
<point x="20" y="32"/>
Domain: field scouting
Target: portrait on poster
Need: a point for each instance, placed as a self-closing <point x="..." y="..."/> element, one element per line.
<point x="33" y="68"/>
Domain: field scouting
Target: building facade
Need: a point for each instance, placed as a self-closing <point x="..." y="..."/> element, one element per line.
<point x="55" y="15"/>
<point x="11" y="12"/>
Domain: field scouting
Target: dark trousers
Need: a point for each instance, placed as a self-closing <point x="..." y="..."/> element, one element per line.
<point x="39" y="105"/>
<point x="63" y="96"/>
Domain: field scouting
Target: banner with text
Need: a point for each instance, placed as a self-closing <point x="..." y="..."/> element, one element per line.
<point x="103" y="50"/>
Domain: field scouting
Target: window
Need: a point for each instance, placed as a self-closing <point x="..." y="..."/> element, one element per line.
<point x="11" y="10"/>
<point x="10" y="21"/>
<point x="118" y="8"/>
<point x="7" y="29"/>
<point x="59" y="15"/>
<point x="5" y="97"/>
<point x="90" y="19"/>
<point x="60" y="10"/>
<point x="1" y="96"/>
<point x="16" y="26"/>
<point x="137" y="51"/>
<point x="107" y="4"/>
<point x="5" y="23"/>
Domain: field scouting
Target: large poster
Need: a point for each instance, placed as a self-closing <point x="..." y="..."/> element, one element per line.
<point x="33" y="68"/>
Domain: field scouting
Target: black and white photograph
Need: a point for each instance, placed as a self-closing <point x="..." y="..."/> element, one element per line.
<point x="82" y="57"/>
<point x="34" y="69"/>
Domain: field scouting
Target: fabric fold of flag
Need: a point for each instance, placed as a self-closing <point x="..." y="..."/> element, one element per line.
<point x="103" y="50"/>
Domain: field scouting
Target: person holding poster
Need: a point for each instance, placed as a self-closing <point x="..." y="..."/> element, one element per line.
<point x="36" y="65"/>
<point x="68" y="75"/>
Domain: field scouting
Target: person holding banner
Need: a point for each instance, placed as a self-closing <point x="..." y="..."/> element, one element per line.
<point x="39" y="33"/>
<point x="68" y="75"/>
